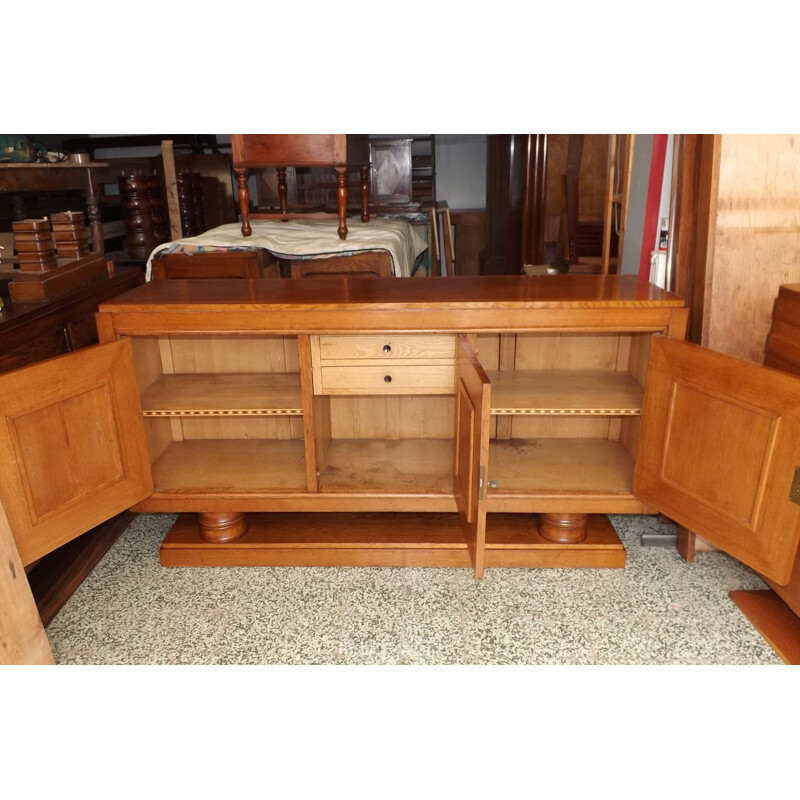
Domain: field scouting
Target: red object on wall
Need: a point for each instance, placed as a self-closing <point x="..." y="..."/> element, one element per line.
<point x="650" y="229"/>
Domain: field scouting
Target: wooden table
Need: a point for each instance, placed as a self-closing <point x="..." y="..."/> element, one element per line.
<point x="337" y="150"/>
<point x="22" y="178"/>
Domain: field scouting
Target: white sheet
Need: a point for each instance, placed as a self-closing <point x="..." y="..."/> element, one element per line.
<point x="304" y="238"/>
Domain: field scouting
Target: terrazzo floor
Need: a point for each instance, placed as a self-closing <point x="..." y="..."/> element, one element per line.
<point x="657" y="610"/>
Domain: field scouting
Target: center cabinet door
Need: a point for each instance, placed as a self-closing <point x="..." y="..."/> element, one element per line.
<point x="73" y="452"/>
<point x="473" y="402"/>
<point x="719" y="452"/>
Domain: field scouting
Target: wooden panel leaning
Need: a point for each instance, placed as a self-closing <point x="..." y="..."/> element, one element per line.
<point x="776" y="612"/>
<point x="246" y="264"/>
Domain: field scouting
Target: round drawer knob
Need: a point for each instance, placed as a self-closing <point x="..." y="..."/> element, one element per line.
<point x="387" y="378"/>
<point x="387" y="348"/>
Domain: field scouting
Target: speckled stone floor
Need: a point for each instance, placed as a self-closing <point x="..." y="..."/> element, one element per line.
<point x="658" y="610"/>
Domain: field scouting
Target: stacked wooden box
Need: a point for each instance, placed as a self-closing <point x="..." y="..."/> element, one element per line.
<point x="53" y="257"/>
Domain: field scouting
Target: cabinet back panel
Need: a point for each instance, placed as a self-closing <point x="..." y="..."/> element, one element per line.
<point x="566" y="427"/>
<point x="268" y="427"/>
<point x="158" y="432"/>
<point x="567" y="351"/>
<point x="147" y="360"/>
<point x="234" y="354"/>
<point x="392" y="417"/>
<point x="640" y="356"/>
<point x="489" y="350"/>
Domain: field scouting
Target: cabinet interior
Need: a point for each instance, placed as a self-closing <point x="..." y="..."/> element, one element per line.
<point x="565" y="414"/>
<point x="222" y="412"/>
<point x="225" y="412"/>
<point x="383" y="413"/>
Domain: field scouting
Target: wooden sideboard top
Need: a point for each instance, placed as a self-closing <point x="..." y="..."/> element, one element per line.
<point x="494" y="293"/>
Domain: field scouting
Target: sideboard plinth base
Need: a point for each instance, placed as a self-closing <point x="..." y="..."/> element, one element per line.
<point x="387" y="540"/>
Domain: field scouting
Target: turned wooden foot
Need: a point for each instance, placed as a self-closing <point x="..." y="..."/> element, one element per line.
<point x="562" y="528"/>
<point x="221" y="526"/>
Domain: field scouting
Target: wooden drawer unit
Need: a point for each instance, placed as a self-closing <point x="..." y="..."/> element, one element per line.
<point x="383" y="365"/>
<point x="405" y="348"/>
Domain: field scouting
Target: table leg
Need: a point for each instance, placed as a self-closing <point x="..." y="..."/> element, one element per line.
<point x="364" y="193"/>
<point x="282" y="190"/>
<point x="341" y="198"/>
<point x="244" y="200"/>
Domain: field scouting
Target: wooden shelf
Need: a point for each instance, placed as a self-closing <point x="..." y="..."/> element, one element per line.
<point x="229" y="395"/>
<point x="565" y="466"/>
<point x="231" y="465"/>
<point x="402" y="466"/>
<point x="591" y="392"/>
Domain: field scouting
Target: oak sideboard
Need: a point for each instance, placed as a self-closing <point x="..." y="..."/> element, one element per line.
<point x="464" y="422"/>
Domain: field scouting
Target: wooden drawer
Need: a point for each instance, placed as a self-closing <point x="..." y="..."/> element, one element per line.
<point x="386" y="379"/>
<point x="388" y="347"/>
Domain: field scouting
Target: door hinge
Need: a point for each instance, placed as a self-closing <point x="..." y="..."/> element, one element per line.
<point x="794" y="494"/>
<point x="482" y="483"/>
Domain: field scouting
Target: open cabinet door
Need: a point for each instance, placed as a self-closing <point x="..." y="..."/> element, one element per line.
<point x="72" y="446"/>
<point x="471" y="449"/>
<point x="719" y="451"/>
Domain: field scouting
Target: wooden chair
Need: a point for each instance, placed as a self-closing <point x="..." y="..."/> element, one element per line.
<point x="360" y="265"/>
<point x="243" y="264"/>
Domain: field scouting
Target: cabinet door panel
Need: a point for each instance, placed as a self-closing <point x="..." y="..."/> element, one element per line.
<point x="473" y="401"/>
<point x="72" y="446"/>
<point x="718" y="450"/>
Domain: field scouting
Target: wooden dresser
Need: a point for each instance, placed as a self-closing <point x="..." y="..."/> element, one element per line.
<point x="452" y="422"/>
<point x="32" y="332"/>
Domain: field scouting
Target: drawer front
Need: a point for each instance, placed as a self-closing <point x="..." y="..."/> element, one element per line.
<point x="387" y="379"/>
<point x="388" y="347"/>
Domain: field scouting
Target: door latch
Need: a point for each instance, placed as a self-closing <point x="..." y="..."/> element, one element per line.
<point x="483" y="483"/>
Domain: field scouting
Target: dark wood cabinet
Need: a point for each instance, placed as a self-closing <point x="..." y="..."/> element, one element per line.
<point x="403" y="171"/>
